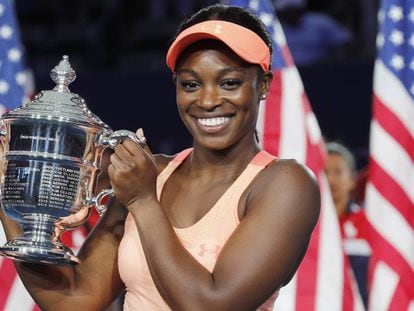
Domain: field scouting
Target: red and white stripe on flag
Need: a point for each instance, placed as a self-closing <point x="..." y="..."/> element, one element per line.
<point x="390" y="187"/>
<point x="289" y="129"/>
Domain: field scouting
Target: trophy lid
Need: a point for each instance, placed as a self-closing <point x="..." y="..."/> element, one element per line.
<point x="59" y="104"/>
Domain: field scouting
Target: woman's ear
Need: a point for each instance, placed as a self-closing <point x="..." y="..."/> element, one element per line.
<point x="265" y="84"/>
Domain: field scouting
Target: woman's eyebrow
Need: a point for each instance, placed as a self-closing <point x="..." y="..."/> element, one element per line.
<point x="221" y="72"/>
<point x="231" y="69"/>
<point x="186" y="70"/>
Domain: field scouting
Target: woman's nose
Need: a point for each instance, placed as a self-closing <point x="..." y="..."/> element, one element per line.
<point x="209" y="98"/>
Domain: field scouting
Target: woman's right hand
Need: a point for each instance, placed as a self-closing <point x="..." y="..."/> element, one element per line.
<point x="133" y="172"/>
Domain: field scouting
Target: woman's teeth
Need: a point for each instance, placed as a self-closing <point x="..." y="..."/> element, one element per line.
<point x="213" y="121"/>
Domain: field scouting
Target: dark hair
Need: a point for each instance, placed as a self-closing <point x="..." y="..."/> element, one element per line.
<point x="234" y="14"/>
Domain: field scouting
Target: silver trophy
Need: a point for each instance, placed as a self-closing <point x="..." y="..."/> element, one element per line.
<point x="53" y="147"/>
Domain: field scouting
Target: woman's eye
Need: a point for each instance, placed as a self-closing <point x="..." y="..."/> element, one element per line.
<point x="189" y="85"/>
<point x="230" y="83"/>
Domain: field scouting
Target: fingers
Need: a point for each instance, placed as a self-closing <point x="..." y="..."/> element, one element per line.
<point x="115" y="161"/>
<point x="140" y="134"/>
<point x="128" y="152"/>
<point x="131" y="146"/>
<point x="127" y="149"/>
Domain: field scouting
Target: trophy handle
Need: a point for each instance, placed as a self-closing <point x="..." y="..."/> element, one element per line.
<point x="111" y="140"/>
<point x="97" y="201"/>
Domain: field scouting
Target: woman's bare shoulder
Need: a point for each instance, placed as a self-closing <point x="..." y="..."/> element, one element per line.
<point x="289" y="185"/>
<point x="289" y="168"/>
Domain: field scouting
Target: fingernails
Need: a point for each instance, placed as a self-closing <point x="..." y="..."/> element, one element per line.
<point x="140" y="133"/>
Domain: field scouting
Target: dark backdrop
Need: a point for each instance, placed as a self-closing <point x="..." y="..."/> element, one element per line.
<point x="118" y="54"/>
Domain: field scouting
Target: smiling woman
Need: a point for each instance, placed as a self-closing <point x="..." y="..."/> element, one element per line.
<point x="222" y="225"/>
<point x="218" y="94"/>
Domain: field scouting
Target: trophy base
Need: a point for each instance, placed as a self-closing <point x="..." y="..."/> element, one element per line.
<point x="39" y="252"/>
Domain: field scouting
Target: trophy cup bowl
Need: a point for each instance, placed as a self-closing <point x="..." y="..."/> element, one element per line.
<point x="52" y="149"/>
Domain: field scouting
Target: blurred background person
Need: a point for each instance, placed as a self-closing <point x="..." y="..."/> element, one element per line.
<point x="340" y="171"/>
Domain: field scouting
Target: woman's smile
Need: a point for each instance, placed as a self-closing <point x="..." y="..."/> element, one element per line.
<point x="213" y="124"/>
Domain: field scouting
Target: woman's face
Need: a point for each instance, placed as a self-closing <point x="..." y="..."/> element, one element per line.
<point x="218" y="95"/>
<point x="340" y="179"/>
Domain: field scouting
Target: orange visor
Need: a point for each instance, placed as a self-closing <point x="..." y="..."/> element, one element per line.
<point x="242" y="41"/>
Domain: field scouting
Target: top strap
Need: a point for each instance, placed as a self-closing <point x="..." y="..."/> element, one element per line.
<point x="263" y="158"/>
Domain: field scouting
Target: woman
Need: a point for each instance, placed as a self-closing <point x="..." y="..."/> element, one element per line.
<point x="221" y="226"/>
<point x="340" y="170"/>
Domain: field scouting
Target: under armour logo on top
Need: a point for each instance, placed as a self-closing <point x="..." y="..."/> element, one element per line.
<point x="209" y="250"/>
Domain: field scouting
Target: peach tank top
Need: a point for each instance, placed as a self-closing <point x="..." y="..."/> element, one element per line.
<point x="204" y="239"/>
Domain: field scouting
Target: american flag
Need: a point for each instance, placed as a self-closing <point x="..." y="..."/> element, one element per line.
<point x="14" y="80"/>
<point x="390" y="188"/>
<point x="289" y="129"/>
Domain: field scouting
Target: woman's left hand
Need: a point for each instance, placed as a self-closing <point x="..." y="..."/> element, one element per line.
<point x="133" y="172"/>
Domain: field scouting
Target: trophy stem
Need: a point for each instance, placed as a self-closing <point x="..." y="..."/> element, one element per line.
<point x="38" y="243"/>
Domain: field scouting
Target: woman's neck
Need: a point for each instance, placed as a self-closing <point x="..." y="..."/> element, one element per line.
<point x="341" y="206"/>
<point x="203" y="160"/>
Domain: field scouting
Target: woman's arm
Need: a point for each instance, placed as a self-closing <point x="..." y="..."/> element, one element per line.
<point x="282" y="208"/>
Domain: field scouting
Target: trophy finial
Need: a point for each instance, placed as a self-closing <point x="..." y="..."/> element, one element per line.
<point x="63" y="75"/>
